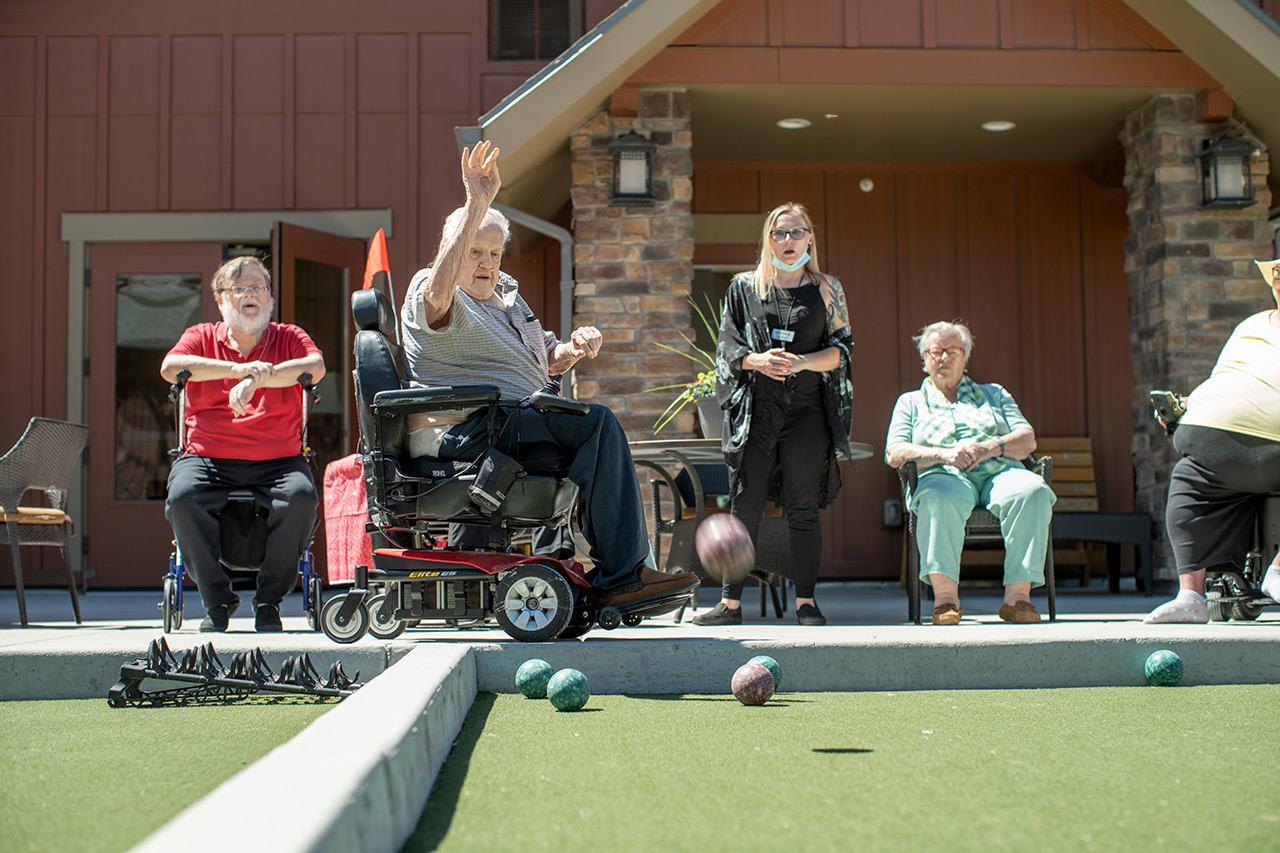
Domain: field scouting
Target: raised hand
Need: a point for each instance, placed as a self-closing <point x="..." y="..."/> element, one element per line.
<point x="480" y="172"/>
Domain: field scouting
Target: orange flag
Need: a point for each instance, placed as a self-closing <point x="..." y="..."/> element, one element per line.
<point x="377" y="272"/>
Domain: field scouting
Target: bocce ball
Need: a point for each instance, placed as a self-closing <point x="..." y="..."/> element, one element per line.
<point x="724" y="547"/>
<point x="568" y="690"/>
<point x="752" y="684"/>
<point x="1164" y="668"/>
<point x="771" y="665"/>
<point x="532" y="678"/>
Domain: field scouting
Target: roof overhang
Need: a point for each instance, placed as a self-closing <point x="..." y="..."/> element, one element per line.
<point x="531" y="124"/>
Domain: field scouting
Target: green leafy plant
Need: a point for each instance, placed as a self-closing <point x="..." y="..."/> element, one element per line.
<point x="704" y="384"/>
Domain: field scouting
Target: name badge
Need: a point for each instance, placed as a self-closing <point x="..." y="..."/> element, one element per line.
<point x="784" y="335"/>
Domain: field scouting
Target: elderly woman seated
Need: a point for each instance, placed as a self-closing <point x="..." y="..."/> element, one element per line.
<point x="966" y="439"/>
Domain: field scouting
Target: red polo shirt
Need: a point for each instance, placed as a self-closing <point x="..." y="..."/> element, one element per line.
<point x="271" y="427"/>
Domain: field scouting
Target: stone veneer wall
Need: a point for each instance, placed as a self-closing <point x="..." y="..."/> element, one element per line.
<point x="1191" y="278"/>
<point x="634" y="265"/>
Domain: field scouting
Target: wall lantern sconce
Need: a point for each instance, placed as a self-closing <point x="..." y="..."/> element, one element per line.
<point x="1226" y="173"/>
<point x="632" y="169"/>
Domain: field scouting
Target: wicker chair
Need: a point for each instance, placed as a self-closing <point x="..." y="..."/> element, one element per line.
<point x="982" y="526"/>
<point x="42" y="459"/>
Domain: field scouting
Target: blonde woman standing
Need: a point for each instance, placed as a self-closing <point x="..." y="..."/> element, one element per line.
<point x="783" y="379"/>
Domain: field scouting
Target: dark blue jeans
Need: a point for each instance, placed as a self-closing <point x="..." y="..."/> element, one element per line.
<point x="198" y="488"/>
<point x="610" y="509"/>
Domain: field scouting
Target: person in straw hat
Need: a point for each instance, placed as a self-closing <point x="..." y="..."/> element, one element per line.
<point x="1229" y="441"/>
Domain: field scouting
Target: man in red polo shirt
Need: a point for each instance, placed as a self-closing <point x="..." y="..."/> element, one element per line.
<point x="244" y="431"/>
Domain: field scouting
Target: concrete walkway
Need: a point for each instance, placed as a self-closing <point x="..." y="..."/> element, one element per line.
<point x="1099" y="639"/>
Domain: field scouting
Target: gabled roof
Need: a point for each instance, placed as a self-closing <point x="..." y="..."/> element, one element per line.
<point x="1234" y="44"/>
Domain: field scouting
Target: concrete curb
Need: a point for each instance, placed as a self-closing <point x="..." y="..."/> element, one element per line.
<point x="1019" y="659"/>
<point x="357" y="778"/>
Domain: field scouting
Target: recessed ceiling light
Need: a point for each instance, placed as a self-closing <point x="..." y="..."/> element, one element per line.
<point x="793" y="123"/>
<point x="998" y="126"/>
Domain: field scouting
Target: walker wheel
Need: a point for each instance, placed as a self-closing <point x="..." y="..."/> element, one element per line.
<point x="610" y="617"/>
<point x="631" y="620"/>
<point x="340" y="631"/>
<point x="172" y="613"/>
<point x="384" y="629"/>
<point x="317" y="601"/>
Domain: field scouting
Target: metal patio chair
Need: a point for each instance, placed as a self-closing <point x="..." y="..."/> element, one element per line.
<point x="42" y="459"/>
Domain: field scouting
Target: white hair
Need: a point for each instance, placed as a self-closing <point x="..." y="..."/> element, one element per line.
<point x="966" y="337"/>
<point x="453" y="222"/>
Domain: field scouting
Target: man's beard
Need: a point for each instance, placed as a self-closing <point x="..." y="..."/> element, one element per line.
<point x="243" y="325"/>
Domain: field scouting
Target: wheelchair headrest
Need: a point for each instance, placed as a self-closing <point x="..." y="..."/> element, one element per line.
<point x="372" y="311"/>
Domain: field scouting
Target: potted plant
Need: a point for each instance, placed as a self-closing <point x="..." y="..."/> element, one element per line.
<point x="701" y="390"/>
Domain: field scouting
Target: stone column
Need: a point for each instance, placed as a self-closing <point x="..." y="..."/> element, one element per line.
<point x="1191" y="278"/>
<point x="633" y="265"/>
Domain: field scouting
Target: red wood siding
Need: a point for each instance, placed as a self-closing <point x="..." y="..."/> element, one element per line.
<point x="1030" y="257"/>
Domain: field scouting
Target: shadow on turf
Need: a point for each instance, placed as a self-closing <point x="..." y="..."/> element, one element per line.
<point x="443" y="801"/>
<point x="840" y="750"/>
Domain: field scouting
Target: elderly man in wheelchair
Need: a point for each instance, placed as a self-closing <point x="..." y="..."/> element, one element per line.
<point x="243" y="422"/>
<point x="439" y="449"/>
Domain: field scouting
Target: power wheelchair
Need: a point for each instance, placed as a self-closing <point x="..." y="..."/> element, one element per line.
<point x="415" y="575"/>
<point x="242" y="525"/>
<point x="1233" y="592"/>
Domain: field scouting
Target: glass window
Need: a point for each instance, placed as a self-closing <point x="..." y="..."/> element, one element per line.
<point x="152" y="312"/>
<point x="533" y="29"/>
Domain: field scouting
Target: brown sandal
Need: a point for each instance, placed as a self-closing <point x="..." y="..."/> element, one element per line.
<point x="947" y="614"/>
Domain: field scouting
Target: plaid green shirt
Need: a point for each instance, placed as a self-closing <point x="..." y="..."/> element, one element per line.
<point x="980" y="412"/>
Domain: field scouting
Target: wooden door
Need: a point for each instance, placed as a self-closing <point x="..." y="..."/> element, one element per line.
<point x="316" y="273"/>
<point x="141" y="298"/>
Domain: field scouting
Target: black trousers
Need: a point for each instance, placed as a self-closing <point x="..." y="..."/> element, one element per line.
<point x="1216" y="490"/>
<point x="801" y="450"/>
<point x="198" y="489"/>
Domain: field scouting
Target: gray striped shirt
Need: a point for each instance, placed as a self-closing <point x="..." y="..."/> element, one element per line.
<point x="482" y="345"/>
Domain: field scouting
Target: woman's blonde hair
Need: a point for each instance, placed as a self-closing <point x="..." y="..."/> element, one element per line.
<point x="766" y="272"/>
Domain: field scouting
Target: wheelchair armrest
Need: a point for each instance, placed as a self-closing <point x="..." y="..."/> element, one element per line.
<point x="406" y="401"/>
<point x="544" y="402"/>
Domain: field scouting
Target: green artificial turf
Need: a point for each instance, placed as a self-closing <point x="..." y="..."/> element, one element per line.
<point x="1190" y="768"/>
<point x="80" y="775"/>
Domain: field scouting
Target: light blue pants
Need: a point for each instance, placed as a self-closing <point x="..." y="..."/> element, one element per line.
<point x="1019" y="498"/>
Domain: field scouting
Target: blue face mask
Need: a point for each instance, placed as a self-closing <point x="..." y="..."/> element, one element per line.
<point x="804" y="259"/>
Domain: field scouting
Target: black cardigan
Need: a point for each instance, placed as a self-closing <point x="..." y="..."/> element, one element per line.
<point x="744" y="330"/>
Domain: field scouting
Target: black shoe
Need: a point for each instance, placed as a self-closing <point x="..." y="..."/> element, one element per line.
<point x="266" y="618"/>
<point x="218" y="618"/>
<point x="719" y="615"/>
<point x="809" y="614"/>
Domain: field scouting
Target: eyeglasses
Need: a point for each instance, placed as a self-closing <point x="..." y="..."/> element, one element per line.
<point x="242" y="290"/>
<point x="936" y="353"/>
<point x="794" y="234"/>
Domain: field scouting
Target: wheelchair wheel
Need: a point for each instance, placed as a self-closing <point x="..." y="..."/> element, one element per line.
<point x="383" y="629"/>
<point x="631" y="620"/>
<point x="172" y="612"/>
<point x="535" y="603"/>
<point x="1246" y="611"/>
<point x="1218" y="611"/>
<point x="348" y="632"/>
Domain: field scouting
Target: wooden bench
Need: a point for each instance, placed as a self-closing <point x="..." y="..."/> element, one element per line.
<point x="1076" y="516"/>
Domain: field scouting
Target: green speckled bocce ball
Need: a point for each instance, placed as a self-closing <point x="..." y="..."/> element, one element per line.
<point x="532" y="678"/>
<point x="771" y="665"/>
<point x="568" y="690"/>
<point x="1164" y="668"/>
